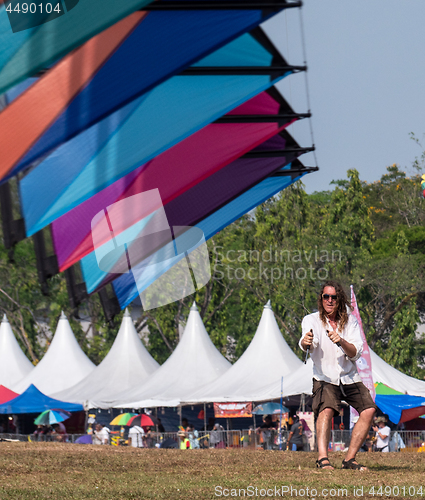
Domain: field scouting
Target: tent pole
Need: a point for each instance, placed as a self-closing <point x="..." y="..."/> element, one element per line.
<point x="205" y="418"/>
<point x="280" y="420"/>
<point x="255" y="433"/>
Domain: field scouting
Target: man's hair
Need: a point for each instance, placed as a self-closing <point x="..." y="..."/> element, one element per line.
<point x="341" y="304"/>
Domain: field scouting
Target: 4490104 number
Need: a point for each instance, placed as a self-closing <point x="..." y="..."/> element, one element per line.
<point x="34" y="8"/>
<point x="395" y="491"/>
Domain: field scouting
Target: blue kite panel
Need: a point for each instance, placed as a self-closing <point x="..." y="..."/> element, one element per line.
<point x="135" y="134"/>
<point x="23" y="53"/>
<point x="125" y="286"/>
<point x="161" y="46"/>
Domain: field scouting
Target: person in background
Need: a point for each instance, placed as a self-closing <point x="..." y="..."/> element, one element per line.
<point x="396" y="442"/>
<point x="184" y="425"/>
<point x="217" y="437"/>
<point x="268" y="432"/>
<point x="149" y="437"/>
<point x="100" y="435"/>
<point x="160" y="426"/>
<point x="59" y="432"/>
<point x="295" y="439"/>
<point x="382" y="435"/>
<point x="193" y="435"/>
<point x="136" y="437"/>
<point x="205" y="439"/>
<point x="210" y="425"/>
<point x="42" y="431"/>
<point x="184" y="443"/>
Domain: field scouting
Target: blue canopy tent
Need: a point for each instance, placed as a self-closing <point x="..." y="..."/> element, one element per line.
<point x="401" y="408"/>
<point x="34" y="401"/>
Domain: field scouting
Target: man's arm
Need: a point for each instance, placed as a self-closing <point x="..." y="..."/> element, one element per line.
<point x="354" y="337"/>
<point x="382" y="435"/>
<point x="349" y="349"/>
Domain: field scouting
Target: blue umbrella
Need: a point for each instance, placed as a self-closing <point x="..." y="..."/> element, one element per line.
<point x="269" y="409"/>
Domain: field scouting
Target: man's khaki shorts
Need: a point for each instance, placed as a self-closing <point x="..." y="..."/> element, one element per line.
<point x="327" y="395"/>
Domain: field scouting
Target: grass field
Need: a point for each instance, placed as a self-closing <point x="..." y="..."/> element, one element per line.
<point x="65" y="471"/>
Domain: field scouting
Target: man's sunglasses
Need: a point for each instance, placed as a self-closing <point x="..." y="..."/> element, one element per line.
<point x="326" y="296"/>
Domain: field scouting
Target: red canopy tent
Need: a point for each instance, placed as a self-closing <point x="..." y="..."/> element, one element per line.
<point x="6" y="394"/>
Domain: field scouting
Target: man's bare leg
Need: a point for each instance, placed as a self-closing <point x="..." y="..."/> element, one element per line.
<point x="323" y="433"/>
<point x="360" y="432"/>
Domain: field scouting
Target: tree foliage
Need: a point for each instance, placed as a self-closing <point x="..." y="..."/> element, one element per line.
<point x="369" y="235"/>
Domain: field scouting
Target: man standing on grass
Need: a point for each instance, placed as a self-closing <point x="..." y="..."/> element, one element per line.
<point x="382" y="435"/>
<point x="333" y="338"/>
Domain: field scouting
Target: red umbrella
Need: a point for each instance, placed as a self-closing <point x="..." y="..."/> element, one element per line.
<point x="142" y="420"/>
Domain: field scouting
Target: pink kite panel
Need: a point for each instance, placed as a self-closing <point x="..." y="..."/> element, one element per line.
<point x="172" y="173"/>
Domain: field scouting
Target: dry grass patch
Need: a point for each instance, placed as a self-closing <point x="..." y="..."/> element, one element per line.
<point x="65" y="471"/>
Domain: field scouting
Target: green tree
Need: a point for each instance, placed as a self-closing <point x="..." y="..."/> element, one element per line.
<point x="348" y="226"/>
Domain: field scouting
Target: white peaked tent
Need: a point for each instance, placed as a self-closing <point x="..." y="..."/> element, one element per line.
<point x="300" y="382"/>
<point x="14" y="365"/>
<point x="267" y="359"/>
<point x="128" y="364"/>
<point x="388" y="375"/>
<point x="194" y="362"/>
<point x="62" y="366"/>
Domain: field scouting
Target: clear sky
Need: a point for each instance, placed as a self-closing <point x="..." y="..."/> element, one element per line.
<point x="366" y="76"/>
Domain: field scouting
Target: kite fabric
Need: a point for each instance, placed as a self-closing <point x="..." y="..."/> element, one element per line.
<point x="195" y="158"/>
<point x="165" y="116"/>
<point x="25" y="52"/>
<point x="106" y="73"/>
<point x="203" y="206"/>
<point x="125" y="287"/>
<point x="188" y="209"/>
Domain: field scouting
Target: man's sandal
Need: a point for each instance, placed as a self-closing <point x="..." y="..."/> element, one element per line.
<point x="351" y="464"/>
<point x="324" y="463"/>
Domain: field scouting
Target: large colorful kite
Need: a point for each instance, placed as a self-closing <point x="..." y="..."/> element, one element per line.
<point x="170" y="102"/>
<point x="106" y="73"/>
<point x="195" y="159"/>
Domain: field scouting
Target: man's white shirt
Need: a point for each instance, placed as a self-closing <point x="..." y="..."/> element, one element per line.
<point x="136" y="434"/>
<point x="383" y="443"/>
<point x="330" y="364"/>
<point x="101" y="437"/>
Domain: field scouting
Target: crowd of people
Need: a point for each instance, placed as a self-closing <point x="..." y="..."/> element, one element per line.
<point x="55" y="432"/>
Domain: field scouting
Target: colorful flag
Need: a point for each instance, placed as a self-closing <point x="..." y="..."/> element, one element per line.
<point x="364" y="363"/>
